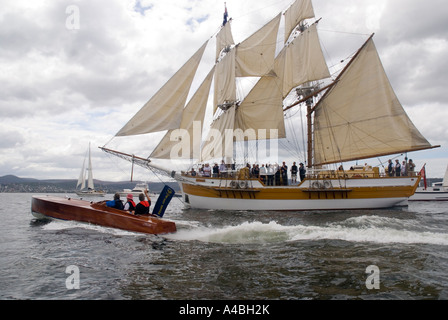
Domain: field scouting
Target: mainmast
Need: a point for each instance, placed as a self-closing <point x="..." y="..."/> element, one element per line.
<point x="307" y="94"/>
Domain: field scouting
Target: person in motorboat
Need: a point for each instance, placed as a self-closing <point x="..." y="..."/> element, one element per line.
<point x="116" y="203"/>
<point x="130" y="204"/>
<point x="143" y="206"/>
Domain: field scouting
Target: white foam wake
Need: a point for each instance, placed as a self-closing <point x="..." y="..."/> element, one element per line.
<point x="358" y="229"/>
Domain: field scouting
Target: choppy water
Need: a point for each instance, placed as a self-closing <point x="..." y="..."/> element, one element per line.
<point x="229" y="255"/>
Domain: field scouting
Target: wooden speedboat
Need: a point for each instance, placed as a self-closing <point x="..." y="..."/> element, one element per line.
<point x="98" y="214"/>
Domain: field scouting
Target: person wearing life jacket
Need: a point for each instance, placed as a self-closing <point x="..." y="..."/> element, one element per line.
<point x="143" y="206"/>
<point x="130" y="204"/>
<point x="116" y="203"/>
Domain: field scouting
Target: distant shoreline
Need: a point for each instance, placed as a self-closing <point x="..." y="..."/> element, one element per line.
<point x="14" y="184"/>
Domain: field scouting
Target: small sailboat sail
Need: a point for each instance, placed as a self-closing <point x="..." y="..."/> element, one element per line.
<point x="90" y="190"/>
<point x="356" y="116"/>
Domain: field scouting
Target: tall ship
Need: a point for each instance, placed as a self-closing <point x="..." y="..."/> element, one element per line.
<point x="350" y="115"/>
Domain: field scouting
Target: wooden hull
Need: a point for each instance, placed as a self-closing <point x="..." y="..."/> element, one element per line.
<point x="362" y="193"/>
<point x="98" y="214"/>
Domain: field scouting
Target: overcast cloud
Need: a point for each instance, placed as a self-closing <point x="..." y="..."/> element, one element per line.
<point x="65" y="84"/>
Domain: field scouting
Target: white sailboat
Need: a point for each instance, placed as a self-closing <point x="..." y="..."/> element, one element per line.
<point x="88" y="190"/>
<point x="437" y="192"/>
<point x="351" y="115"/>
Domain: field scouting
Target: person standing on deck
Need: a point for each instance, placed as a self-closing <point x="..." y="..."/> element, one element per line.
<point x="284" y="172"/>
<point x="294" y="171"/>
<point x="397" y="168"/>
<point x="390" y="168"/>
<point x="302" y="172"/>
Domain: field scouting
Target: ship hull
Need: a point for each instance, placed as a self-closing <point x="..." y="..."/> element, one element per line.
<point x="91" y="193"/>
<point x="98" y="214"/>
<point x="428" y="195"/>
<point x="370" y="193"/>
<point x="292" y="205"/>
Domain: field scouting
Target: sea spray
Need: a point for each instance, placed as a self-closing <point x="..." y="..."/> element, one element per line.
<point x="356" y="229"/>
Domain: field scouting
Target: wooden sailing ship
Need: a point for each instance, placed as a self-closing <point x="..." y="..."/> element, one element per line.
<point x="353" y="115"/>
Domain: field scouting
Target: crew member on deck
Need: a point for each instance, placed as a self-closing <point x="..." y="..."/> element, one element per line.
<point x="294" y="171"/>
<point x="302" y="172"/>
<point x="116" y="203"/>
<point x="143" y="206"/>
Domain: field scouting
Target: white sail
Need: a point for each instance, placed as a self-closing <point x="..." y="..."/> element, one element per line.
<point x="82" y="176"/>
<point x="262" y="109"/>
<point x="90" y="184"/>
<point x="301" y="61"/>
<point x="255" y="55"/>
<point x="361" y="116"/>
<point x="299" y="10"/>
<point x="445" y="179"/>
<point x="193" y="114"/>
<point x="224" y="39"/>
<point x="164" y="110"/>
<point x="219" y="142"/>
<point x="225" y="81"/>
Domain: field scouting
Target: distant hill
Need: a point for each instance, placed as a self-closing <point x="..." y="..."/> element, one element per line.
<point x="14" y="179"/>
<point x="11" y="183"/>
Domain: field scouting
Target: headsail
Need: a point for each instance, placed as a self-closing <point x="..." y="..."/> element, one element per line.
<point x="164" y="110"/>
<point x="82" y="176"/>
<point x="361" y="116"/>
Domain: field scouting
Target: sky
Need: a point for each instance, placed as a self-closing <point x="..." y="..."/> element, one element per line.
<point x="73" y="72"/>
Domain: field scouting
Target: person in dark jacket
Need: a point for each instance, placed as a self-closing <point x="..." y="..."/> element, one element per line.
<point x="143" y="206"/>
<point x="130" y="204"/>
<point x="116" y="203"/>
<point x="302" y="172"/>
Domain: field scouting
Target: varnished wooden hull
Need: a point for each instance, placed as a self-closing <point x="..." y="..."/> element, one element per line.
<point x="98" y="214"/>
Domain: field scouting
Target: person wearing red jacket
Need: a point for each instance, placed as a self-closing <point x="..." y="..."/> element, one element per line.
<point x="143" y="206"/>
